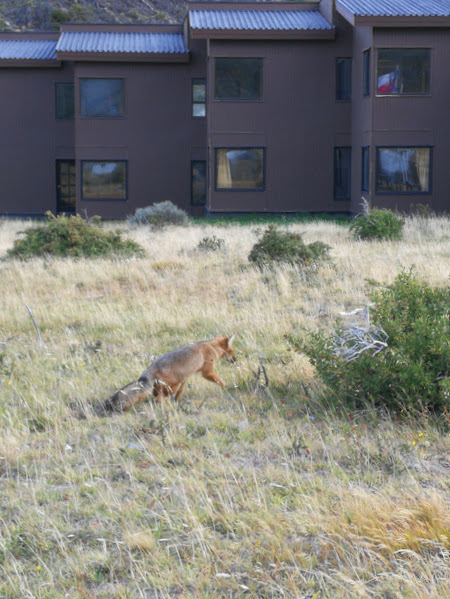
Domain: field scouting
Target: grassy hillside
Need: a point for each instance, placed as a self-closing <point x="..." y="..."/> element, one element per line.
<point x="22" y="15"/>
<point x="251" y="491"/>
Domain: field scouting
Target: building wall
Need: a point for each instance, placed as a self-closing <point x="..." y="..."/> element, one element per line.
<point x="157" y="136"/>
<point x="32" y="139"/>
<point x="298" y="121"/>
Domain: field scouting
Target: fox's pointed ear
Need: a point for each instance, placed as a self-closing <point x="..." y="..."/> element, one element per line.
<point x="230" y="340"/>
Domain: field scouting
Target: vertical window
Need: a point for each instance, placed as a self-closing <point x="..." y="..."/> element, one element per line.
<point x="342" y="173"/>
<point x="198" y="97"/>
<point x="403" y="170"/>
<point x="366" y="72"/>
<point x="343" y="79"/>
<point x="240" y="168"/>
<point x="198" y="182"/>
<point x="403" y="71"/>
<point x="64" y="101"/>
<point x="106" y="180"/>
<point x="238" y="79"/>
<point x="365" y="168"/>
<point x="102" y="97"/>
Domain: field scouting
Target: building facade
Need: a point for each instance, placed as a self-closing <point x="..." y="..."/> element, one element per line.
<point x="244" y="107"/>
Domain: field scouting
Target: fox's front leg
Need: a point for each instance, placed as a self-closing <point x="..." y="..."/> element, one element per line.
<point x="210" y="375"/>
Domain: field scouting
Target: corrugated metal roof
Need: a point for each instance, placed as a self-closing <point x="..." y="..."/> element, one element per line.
<point x="262" y="20"/>
<point x="27" y="49"/>
<point x="126" y="42"/>
<point x="397" y="8"/>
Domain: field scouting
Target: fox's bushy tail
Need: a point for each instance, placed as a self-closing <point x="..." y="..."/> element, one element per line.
<point x="125" y="398"/>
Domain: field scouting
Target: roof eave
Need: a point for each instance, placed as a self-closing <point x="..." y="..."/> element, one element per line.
<point x="262" y="34"/>
<point x="400" y="21"/>
<point x="29" y="62"/>
<point x="124" y="56"/>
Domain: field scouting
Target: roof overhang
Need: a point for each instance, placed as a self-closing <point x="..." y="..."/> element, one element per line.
<point x="360" y="20"/>
<point x="124" y="56"/>
<point x="28" y="62"/>
<point x="234" y="34"/>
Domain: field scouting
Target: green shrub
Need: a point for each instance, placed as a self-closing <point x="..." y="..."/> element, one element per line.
<point x="275" y="246"/>
<point x="377" y="224"/>
<point x="160" y="215"/>
<point x="72" y="236"/>
<point x="211" y="244"/>
<point x="413" y="371"/>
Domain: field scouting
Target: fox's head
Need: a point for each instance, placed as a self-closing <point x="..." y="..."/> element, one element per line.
<point x="225" y="345"/>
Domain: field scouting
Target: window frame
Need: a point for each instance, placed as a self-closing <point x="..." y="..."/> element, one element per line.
<point x="197" y="81"/>
<point x="407" y="94"/>
<point x="115" y="117"/>
<point x="367" y="78"/>
<point x="198" y="204"/>
<point x="348" y="96"/>
<point x="246" y="189"/>
<point x="260" y="98"/>
<point x="83" y="199"/>
<point x="341" y="199"/>
<point x="365" y="172"/>
<point x="64" y="118"/>
<point x="404" y="193"/>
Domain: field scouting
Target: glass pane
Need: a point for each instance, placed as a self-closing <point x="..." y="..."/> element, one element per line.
<point x="198" y="182"/>
<point x="198" y="109"/>
<point x="240" y="168"/>
<point x="198" y="90"/>
<point x="403" y="71"/>
<point x="343" y="78"/>
<point x="403" y="170"/>
<point x="104" y="181"/>
<point x="101" y="97"/>
<point x="365" y="169"/>
<point x="238" y="79"/>
<point x="342" y="173"/>
<point x="65" y="101"/>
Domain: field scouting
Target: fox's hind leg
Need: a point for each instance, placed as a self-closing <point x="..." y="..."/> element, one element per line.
<point x="179" y="391"/>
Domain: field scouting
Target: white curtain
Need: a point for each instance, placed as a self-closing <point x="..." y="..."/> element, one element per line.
<point x="223" y="170"/>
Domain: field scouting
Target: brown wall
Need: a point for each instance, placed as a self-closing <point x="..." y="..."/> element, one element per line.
<point x="31" y="138"/>
<point x="298" y="121"/>
<point x="158" y="136"/>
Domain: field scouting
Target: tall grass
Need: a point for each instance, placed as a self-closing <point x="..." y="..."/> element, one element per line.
<point x="250" y="491"/>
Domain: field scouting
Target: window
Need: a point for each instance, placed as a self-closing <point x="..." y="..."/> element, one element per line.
<point x="198" y="182"/>
<point x="342" y="173"/>
<point x="343" y="79"/>
<point x="240" y="168"/>
<point x="101" y="97"/>
<point x="238" y="79"/>
<point x="403" y="71"/>
<point x="403" y="170"/>
<point x="64" y="101"/>
<point x="198" y="97"/>
<point x="105" y="180"/>
<point x="365" y="168"/>
<point x="366" y="72"/>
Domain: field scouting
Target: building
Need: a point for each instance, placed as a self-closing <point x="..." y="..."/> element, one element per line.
<point x="243" y="107"/>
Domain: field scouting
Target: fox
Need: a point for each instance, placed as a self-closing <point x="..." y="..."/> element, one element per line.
<point x="167" y="375"/>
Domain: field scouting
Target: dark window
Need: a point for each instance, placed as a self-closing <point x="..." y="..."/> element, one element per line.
<point x="238" y="79"/>
<point x="105" y="180"/>
<point x="65" y="186"/>
<point x="365" y="168"/>
<point x="366" y="72"/>
<point x="343" y="79"/>
<point x="240" y="168"/>
<point x="198" y="182"/>
<point x="101" y="97"/>
<point x="403" y="170"/>
<point x="403" y="71"/>
<point x="198" y="97"/>
<point x="65" y="101"/>
<point x="342" y="173"/>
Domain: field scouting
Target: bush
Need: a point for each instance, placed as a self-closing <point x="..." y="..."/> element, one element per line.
<point x="275" y="246"/>
<point x="72" y="236"/>
<point x="377" y="224"/>
<point x="211" y="244"/>
<point x="413" y="371"/>
<point x="160" y="215"/>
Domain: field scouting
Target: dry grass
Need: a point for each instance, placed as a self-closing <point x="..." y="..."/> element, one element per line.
<point x="244" y="492"/>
